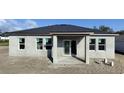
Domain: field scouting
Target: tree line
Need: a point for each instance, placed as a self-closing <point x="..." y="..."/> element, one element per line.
<point x="103" y="28"/>
<point x="108" y="29"/>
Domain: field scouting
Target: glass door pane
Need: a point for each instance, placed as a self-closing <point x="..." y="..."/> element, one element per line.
<point x="67" y="47"/>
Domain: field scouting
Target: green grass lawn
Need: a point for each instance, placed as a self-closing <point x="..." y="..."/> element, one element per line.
<point x="4" y="42"/>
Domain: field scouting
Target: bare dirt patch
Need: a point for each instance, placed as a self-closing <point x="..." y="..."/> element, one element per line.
<point x="37" y="65"/>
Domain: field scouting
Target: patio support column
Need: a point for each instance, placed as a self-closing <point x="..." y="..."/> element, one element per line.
<point x="44" y="43"/>
<point x="54" y="49"/>
<point x="87" y="49"/>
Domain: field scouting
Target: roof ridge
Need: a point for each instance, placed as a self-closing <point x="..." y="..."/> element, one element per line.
<point x="53" y="26"/>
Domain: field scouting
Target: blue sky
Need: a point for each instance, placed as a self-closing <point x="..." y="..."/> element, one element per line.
<point x="20" y="24"/>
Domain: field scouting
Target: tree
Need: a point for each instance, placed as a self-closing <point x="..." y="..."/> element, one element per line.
<point x="105" y="28"/>
<point x="120" y="32"/>
<point x="95" y="28"/>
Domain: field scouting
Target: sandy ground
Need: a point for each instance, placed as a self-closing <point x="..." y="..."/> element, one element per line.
<point x="28" y="65"/>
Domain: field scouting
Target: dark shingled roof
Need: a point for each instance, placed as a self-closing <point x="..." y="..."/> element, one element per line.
<point x="46" y="30"/>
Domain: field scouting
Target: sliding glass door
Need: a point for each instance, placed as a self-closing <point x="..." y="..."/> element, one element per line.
<point x="67" y="45"/>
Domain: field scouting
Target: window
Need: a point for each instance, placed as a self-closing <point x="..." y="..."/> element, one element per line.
<point x="21" y="43"/>
<point x="92" y="44"/>
<point x="102" y="44"/>
<point x="48" y="43"/>
<point x="39" y="43"/>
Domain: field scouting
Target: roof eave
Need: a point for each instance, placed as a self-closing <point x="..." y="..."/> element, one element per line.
<point x="71" y="33"/>
<point x="106" y="34"/>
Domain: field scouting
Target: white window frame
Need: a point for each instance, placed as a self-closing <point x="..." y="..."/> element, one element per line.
<point x="92" y="44"/>
<point x="102" y="44"/>
<point x="21" y="43"/>
<point x="37" y="43"/>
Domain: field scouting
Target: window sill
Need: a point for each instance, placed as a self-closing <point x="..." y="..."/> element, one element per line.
<point x="39" y="49"/>
<point x="92" y="50"/>
<point x="101" y="50"/>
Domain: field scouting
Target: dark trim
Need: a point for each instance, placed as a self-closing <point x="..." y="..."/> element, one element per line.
<point x="119" y="52"/>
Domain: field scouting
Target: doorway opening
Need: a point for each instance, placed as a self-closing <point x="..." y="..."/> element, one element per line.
<point x="70" y="47"/>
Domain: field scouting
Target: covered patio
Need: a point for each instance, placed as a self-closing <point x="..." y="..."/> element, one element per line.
<point x="71" y="59"/>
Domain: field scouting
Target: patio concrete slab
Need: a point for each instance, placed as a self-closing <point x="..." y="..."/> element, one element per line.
<point x="69" y="60"/>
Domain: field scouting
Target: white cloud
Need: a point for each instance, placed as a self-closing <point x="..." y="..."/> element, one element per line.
<point x="30" y="24"/>
<point x="2" y="20"/>
<point x="7" y="25"/>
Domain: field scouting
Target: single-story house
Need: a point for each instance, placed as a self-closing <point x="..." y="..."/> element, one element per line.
<point x="119" y="46"/>
<point x="63" y="40"/>
<point x="5" y="36"/>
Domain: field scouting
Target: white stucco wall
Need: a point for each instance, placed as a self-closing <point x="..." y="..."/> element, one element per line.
<point x="81" y="48"/>
<point x="80" y="40"/>
<point x="108" y="53"/>
<point x="110" y="48"/>
<point x="30" y="46"/>
<point x="119" y="44"/>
